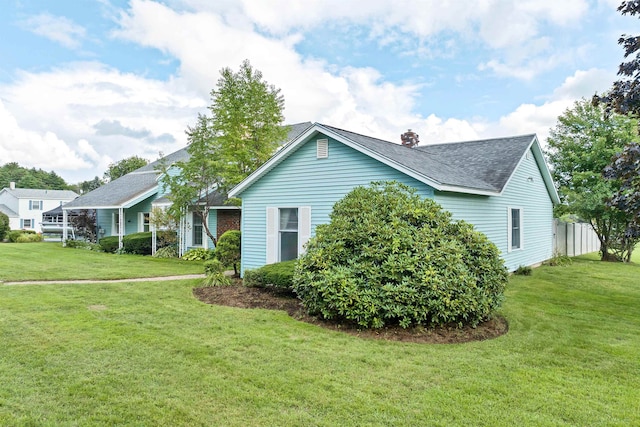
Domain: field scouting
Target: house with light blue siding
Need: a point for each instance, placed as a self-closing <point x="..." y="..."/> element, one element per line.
<point x="123" y="206"/>
<point x="502" y="186"/>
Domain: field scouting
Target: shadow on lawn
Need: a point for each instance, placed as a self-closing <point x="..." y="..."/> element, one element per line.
<point x="275" y="299"/>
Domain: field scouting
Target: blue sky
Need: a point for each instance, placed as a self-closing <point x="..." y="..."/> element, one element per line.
<point x="85" y="83"/>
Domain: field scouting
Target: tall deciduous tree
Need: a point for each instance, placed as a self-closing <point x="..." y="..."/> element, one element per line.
<point x="242" y="132"/>
<point x="580" y="147"/>
<point x="625" y="167"/>
<point x="123" y="167"/>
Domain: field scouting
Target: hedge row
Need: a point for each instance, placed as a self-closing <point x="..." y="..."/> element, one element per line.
<point x="137" y="243"/>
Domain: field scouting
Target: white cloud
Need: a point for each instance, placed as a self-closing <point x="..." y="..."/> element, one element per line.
<point x="528" y="118"/>
<point x="86" y="103"/>
<point x="56" y="28"/>
<point x="34" y="149"/>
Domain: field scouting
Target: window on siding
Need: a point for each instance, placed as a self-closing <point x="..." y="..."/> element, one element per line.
<point x="27" y="223"/>
<point x="197" y="230"/>
<point x="515" y="228"/>
<point x="288" y="233"/>
<point x="35" y="205"/>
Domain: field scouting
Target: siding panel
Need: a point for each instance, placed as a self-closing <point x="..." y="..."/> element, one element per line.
<point x="304" y="180"/>
<point x="489" y="214"/>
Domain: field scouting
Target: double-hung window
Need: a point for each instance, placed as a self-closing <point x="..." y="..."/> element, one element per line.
<point x="143" y="221"/>
<point x="288" y="230"/>
<point x="288" y="234"/>
<point x="35" y="205"/>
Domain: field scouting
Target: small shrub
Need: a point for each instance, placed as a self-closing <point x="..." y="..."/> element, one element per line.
<point x="559" y="260"/>
<point x="81" y="244"/>
<point x="167" y="252"/>
<point x="198" y="254"/>
<point x="214" y="270"/>
<point x="4" y="225"/>
<point x="523" y="270"/>
<point x="109" y="244"/>
<point x="252" y="279"/>
<point x="13" y="235"/>
<point x="228" y="249"/>
<point x="29" y="238"/>
<point x="279" y="275"/>
<point x="165" y="238"/>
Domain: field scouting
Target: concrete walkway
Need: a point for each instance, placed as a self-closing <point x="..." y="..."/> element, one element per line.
<point x="139" y="279"/>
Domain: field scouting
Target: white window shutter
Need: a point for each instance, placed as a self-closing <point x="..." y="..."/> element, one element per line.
<point x="140" y="222"/>
<point x="272" y="235"/>
<point x="304" y="227"/>
<point x="509" y="229"/>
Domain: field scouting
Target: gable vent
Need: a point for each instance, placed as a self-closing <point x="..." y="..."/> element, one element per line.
<point x="322" y="148"/>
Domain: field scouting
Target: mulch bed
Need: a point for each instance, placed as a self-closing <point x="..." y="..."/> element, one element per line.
<point x="275" y="299"/>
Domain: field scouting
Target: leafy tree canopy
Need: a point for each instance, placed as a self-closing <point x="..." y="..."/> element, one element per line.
<point x="30" y="178"/>
<point x="580" y="147"/>
<point x="625" y="168"/>
<point x="123" y="167"/>
<point x="242" y="132"/>
<point x="87" y="186"/>
<point x="624" y="96"/>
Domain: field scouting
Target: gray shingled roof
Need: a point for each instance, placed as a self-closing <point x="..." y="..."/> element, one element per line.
<point x="8" y="212"/>
<point x="31" y="193"/>
<point x="119" y="191"/>
<point x="482" y="165"/>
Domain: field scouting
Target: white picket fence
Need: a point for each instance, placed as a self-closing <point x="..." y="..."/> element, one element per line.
<point x="574" y="239"/>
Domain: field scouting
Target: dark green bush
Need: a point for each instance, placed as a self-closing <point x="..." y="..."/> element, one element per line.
<point x="389" y="256"/>
<point x="137" y="243"/>
<point x="228" y="249"/>
<point x="109" y="244"/>
<point x="4" y="225"/>
<point x="279" y="275"/>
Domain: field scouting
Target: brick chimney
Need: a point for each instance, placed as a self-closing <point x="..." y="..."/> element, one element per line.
<point x="410" y="139"/>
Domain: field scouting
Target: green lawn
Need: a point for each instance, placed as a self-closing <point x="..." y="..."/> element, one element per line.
<point x="49" y="261"/>
<point x="151" y="354"/>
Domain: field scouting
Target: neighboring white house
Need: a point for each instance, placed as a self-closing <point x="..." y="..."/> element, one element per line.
<point x="24" y="206"/>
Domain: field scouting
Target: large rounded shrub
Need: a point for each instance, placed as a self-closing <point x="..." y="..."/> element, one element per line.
<point x="388" y="256"/>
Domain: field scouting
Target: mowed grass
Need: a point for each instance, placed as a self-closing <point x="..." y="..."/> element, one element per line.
<point x="150" y="354"/>
<point x="50" y="261"/>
